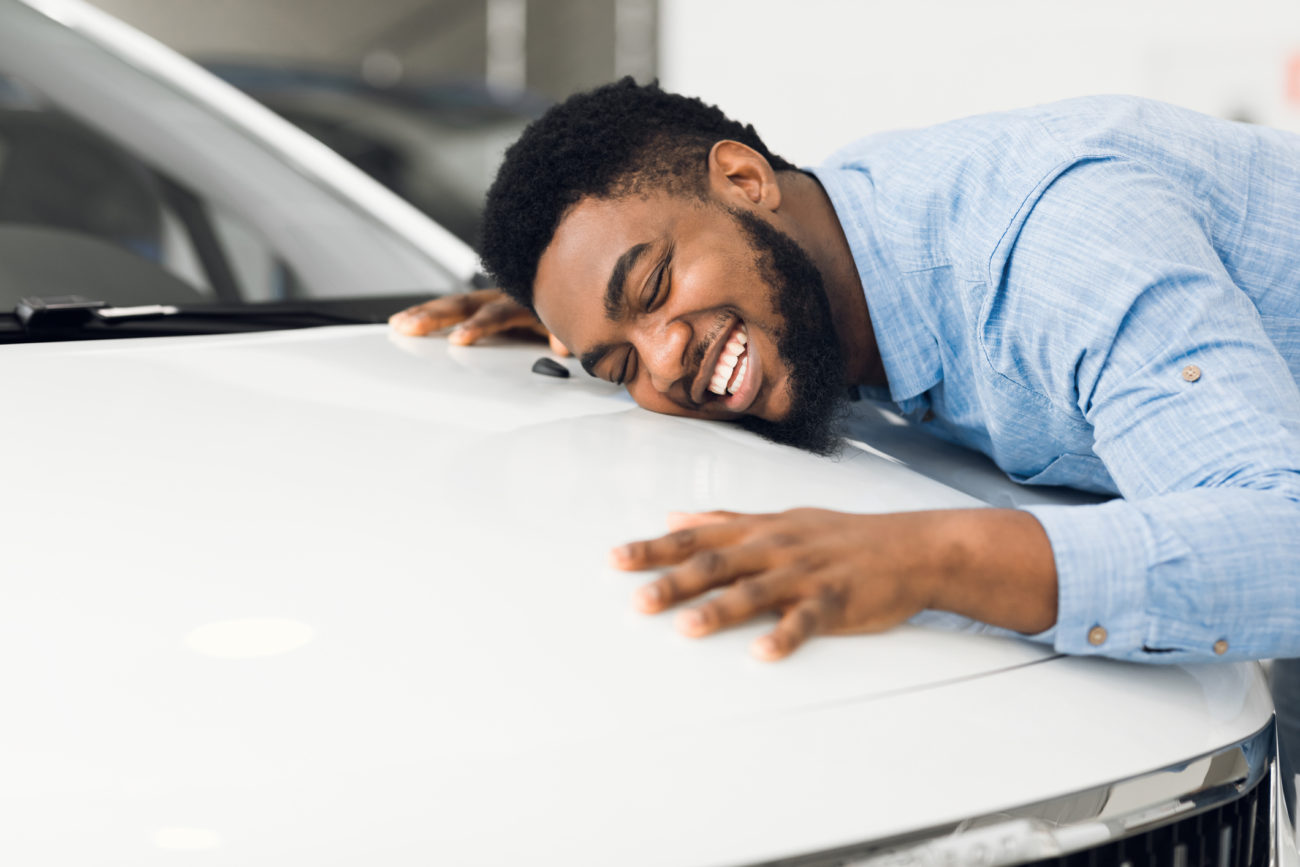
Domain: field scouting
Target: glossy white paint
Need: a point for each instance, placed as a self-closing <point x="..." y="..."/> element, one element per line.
<point x="417" y="533"/>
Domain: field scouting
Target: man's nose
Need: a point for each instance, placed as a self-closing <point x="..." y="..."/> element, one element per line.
<point x="663" y="351"/>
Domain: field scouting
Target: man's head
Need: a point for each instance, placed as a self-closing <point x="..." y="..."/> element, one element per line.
<point x="644" y="228"/>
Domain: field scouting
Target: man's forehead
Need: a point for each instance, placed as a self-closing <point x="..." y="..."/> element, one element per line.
<point x="588" y="244"/>
<point x="612" y="224"/>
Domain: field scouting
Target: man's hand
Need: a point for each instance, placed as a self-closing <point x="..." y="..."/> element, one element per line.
<point x="829" y="572"/>
<point x="476" y="315"/>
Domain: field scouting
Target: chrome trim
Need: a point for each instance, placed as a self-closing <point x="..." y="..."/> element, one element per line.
<point x="1073" y="822"/>
<point x="1278" y="815"/>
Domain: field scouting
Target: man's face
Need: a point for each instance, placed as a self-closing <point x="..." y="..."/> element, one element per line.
<point x="699" y="310"/>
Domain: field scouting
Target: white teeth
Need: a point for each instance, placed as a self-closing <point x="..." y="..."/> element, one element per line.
<point x="740" y="377"/>
<point x="733" y="353"/>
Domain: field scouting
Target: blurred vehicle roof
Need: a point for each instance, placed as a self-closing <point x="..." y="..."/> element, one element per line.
<point x="435" y="143"/>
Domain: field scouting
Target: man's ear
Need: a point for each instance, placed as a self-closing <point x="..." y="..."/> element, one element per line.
<point x="740" y="175"/>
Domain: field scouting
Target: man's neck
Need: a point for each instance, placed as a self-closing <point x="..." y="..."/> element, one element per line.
<point x="811" y="220"/>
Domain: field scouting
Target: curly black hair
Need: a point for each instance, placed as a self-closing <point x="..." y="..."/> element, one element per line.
<point x="619" y="139"/>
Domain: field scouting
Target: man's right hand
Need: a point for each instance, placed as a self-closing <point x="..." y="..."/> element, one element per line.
<point x="475" y="315"/>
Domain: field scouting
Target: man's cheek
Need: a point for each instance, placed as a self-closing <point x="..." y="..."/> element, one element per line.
<point x="647" y="397"/>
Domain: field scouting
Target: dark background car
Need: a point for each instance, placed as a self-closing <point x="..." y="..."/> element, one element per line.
<point x="437" y="144"/>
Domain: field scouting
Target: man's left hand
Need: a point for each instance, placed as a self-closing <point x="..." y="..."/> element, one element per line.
<point x="822" y="571"/>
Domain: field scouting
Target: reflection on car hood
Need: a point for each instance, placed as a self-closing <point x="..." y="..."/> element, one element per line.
<point x="337" y="595"/>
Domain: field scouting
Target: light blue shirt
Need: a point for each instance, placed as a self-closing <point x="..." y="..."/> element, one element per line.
<point x="1105" y="293"/>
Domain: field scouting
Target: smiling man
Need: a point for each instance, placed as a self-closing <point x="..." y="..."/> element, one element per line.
<point x="1102" y="293"/>
<point x="703" y="308"/>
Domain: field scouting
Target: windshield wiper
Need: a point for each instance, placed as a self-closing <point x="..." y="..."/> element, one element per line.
<point x="75" y="317"/>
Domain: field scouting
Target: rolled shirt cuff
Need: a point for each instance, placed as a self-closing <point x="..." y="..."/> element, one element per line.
<point x="1102" y="556"/>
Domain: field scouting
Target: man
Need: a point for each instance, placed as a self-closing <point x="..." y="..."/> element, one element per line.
<point x="1102" y="293"/>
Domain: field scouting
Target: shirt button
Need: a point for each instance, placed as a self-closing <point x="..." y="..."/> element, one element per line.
<point x="1191" y="373"/>
<point x="1221" y="647"/>
<point x="1097" y="636"/>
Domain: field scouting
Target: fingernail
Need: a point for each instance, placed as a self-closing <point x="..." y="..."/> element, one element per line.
<point x="689" y="620"/>
<point x="649" y="596"/>
<point x="620" y="554"/>
<point x="765" y="647"/>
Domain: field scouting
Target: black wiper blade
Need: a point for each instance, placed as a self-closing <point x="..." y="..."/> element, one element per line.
<point x="75" y="317"/>
<point x="80" y="318"/>
<point x="70" y="312"/>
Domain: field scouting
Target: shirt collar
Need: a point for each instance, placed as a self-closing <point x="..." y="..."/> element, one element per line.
<point x="908" y="349"/>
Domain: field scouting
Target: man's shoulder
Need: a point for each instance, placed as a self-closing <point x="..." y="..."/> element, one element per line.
<point x="1070" y="128"/>
<point x="943" y="194"/>
<point x="1076" y="122"/>
<point x="954" y="193"/>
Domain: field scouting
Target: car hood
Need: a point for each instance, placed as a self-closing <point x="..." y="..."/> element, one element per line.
<point x="328" y="595"/>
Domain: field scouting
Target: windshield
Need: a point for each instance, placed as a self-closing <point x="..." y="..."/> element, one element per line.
<point x="117" y="184"/>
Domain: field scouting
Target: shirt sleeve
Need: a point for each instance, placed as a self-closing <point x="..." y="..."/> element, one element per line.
<point x="1115" y="305"/>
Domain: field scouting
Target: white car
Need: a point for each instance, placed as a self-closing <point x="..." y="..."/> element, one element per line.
<point x="327" y="596"/>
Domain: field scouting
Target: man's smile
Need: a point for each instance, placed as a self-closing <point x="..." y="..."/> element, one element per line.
<point x="736" y="374"/>
<point x="728" y="373"/>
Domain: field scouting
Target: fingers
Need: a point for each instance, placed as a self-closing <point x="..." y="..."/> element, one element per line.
<point x="801" y="622"/>
<point x="683" y="520"/>
<point x="436" y="314"/>
<point x="700" y="573"/>
<point x="819" y="568"/>
<point x="739" y="602"/>
<point x="671" y="549"/>
<point x="493" y="318"/>
<point x="413" y="322"/>
<point x="475" y="315"/>
<point x="752" y="596"/>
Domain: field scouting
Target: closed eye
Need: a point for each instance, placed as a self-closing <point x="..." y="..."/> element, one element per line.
<point x="662" y="282"/>
<point x="627" y="371"/>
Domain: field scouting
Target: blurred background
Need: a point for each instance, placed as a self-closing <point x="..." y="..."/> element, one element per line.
<point x="425" y="94"/>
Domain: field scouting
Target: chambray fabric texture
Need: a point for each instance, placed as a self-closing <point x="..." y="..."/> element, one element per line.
<point x="1040" y="281"/>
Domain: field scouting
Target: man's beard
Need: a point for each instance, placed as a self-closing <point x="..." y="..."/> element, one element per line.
<point x="807" y="342"/>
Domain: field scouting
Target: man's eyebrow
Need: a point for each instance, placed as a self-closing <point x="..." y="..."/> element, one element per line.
<point x="617" y="277"/>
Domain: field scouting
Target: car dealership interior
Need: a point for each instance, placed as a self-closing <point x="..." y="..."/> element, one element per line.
<point x="337" y="541"/>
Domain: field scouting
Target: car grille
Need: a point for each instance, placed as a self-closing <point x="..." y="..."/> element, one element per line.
<point x="1235" y="834"/>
